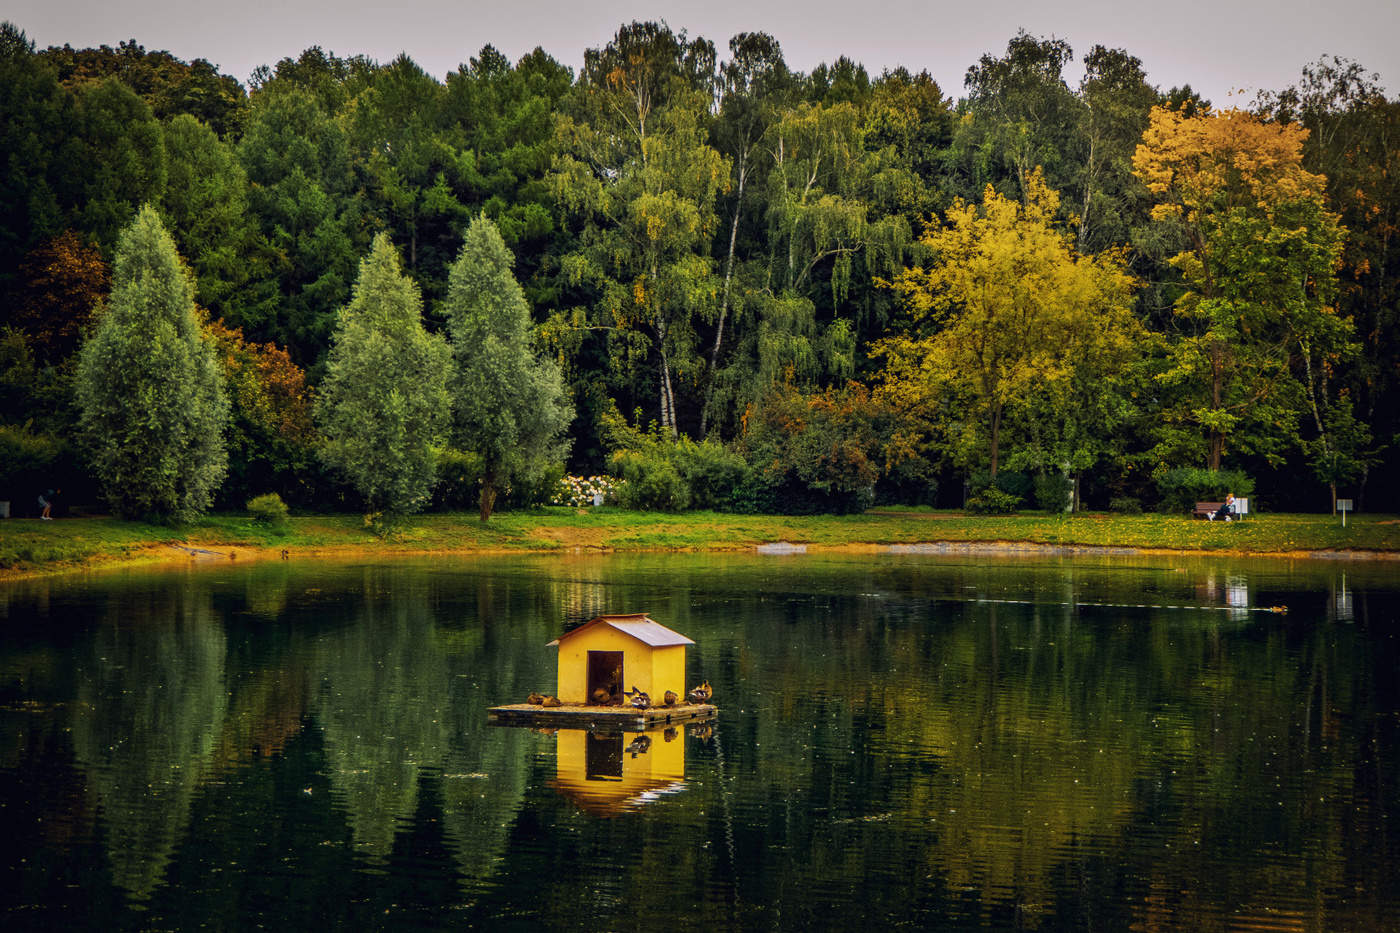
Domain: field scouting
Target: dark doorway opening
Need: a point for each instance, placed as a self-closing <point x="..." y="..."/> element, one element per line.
<point x="605" y="678"/>
<point x="602" y="757"/>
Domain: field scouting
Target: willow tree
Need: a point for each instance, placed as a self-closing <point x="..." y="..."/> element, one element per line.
<point x="1258" y="267"/>
<point x="1011" y="313"/>
<point x="384" y="405"/>
<point x="509" y="404"/>
<point x="149" y="388"/>
<point x="638" y="180"/>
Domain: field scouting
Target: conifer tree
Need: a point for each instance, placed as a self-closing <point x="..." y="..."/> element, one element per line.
<point x="149" y="387"/>
<point x="509" y="404"/>
<point x="383" y="406"/>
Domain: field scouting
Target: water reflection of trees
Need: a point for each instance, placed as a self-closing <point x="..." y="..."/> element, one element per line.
<point x="381" y="699"/>
<point x="890" y="750"/>
<point x="150" y="706"/>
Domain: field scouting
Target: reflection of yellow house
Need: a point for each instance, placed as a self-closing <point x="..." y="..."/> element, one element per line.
<point x="608" y="773"/>
<point x="614" y="653"/>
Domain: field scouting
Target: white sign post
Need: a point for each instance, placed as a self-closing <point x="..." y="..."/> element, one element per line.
<point x="1344" y="506"/>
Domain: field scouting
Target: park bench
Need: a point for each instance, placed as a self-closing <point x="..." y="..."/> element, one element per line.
<point x="1204" y="509"/>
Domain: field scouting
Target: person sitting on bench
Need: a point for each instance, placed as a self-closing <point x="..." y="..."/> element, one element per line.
<point x="1225" y="510"/>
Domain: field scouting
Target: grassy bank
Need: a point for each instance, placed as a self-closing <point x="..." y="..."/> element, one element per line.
<point x="28" y="546"/>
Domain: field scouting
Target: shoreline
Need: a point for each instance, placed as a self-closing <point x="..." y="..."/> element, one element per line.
<point x="168" y="554"/>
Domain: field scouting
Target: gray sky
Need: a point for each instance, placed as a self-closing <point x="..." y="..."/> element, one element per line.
<point x="1220" y="47"/>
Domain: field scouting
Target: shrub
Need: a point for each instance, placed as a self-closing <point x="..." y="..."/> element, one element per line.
<point x="1015" y="483"/>
<point x="27" y="460"/>
<point x="459" y="479"/>
<point x="535" y="484"/>
<point x="1126" y="505"/>
<point x="993" y="501"/>
<point x="711" y="472"/>
<point x="814" y="453"/>
<point x="1052" y="491"/>
<point x="268" y="509"/>
<point x="1181" y="488"/>
<point x="652" y="482"/>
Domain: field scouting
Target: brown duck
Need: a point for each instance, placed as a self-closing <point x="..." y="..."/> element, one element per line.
<point x="700" y="694"/>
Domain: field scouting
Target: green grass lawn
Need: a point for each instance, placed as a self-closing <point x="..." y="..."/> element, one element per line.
<point x="30" y="545"/>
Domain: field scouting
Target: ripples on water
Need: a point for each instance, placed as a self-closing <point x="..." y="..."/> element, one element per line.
<point x="903" y="741"/>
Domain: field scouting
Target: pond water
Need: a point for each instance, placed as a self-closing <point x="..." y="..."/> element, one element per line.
<point x="935" y="741"/>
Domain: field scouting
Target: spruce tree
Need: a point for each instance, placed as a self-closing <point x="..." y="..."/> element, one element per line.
<point x="384" y="406"/>
<point x="509" y="405"/>
<point x="149" y="387"/>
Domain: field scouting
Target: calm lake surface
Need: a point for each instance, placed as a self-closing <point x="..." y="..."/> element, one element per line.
<point x="921" y="740"/>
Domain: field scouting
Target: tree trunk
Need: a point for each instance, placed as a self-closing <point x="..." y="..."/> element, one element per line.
<point x="996" y="436"/>
<point x="668" y="398"/>
<point x="1217" y="436"/>
<point x="488" y="494"/>
<point x="724" y="299"/>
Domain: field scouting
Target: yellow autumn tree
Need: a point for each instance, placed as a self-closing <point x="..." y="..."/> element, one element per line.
<point x="1258" y="267"/>
<point x="1006" y="312"/>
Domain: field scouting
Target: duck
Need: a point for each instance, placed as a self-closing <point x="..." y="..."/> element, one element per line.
<point x="551" y="701"/>
<point x="640" y="699"/>
<point x="670" y="698"/>
<point x="602" y="697"/>
<point x="638" y="746"/>
<point x="700" y="694"/>
<point x="534" y="699"/>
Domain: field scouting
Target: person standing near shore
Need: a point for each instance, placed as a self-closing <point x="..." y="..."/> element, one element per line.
<point x="46" y="503"/>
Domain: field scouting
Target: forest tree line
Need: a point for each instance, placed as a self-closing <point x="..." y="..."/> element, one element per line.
<point x="761" y="289"/>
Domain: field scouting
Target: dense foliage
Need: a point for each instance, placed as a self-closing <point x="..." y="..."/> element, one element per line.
<point x="823" y="289"/>
<point x="384" y="405"/>
<point x="149" y="389"/>
<point x="509" y="403"/>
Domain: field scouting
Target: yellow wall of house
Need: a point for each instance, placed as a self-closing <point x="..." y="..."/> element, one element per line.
<point x="651" y="670"/>
<point x="667" y="672"/>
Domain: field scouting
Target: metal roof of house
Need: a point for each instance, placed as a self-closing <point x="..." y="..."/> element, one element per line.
<point x="647" y="631"/>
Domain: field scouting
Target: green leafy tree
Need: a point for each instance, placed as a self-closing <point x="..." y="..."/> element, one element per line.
<point x="1012" y="314"/>
<point x="407" y="171"/>
<point x="298" y="166"/>
<point x="502" y="121"/>
<point x="168" y="85"/>
<point x="34" y="111"/>
<point x="206" y="203"/>
<point x="753" y="82"/>
<point x="1354" y="141"/>
<point x="1021" y="116"/>
<point x="1116" y="101"/>
<point x="384" y="404"/>
<point x="149" y="388"/>
<point x="640" y="181"/>
<point x="509" y="404"/>
<point x="1259" y="275"/>
<point x="115" y="160"/>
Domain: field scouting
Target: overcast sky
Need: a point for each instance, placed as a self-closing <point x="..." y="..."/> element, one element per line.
<point x="1220" y="47"/>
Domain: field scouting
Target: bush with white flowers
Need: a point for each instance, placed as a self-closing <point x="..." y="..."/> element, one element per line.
<point x="578" y="491"/>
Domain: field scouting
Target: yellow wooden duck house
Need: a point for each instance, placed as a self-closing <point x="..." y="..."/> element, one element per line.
<point x="612" y="655"/>
<point x="603" y="665"/>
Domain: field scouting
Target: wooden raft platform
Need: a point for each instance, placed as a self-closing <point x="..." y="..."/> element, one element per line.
<point x="599" y="717"/>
